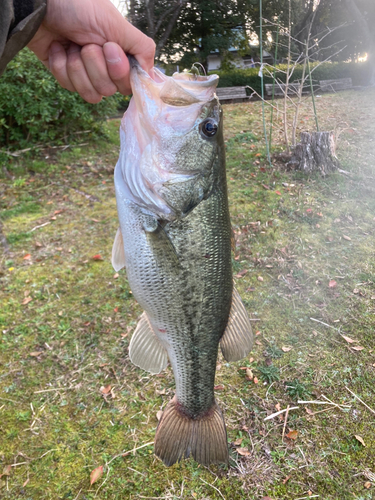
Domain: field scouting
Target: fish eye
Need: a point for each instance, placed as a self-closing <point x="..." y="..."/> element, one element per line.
<point x="208" y="127"/>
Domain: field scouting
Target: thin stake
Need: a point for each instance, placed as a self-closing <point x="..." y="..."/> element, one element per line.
<point x="261" y="76"/>
<point x="312" y="96"/>
<point x="274" y="79"/>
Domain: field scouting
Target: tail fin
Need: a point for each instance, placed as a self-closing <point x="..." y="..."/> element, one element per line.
<point x="179" y="436"/>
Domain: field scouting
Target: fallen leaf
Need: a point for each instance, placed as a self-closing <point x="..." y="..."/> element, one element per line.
<point x="255" y="380"/>
<point x="286" y="479"/>
<point x="26" y="300"/>
<point x="27" y="257"/>
<point x="238" y="442"/>
<point x="53" y="218"/>
<point x="332" y="284"/>
<point x="106" y="389"/>
<point x="310" y="412"/>
<point x="219" y="387"/>
<point x="159" y="415"/>
<point x="25" y="483"/>
<point x="57" y="212"/>
<point x="241" y="273"/>
<point x="357" y="348"/>
<point x="348" y="339"/>
<point x="292" y="434"/>
<point x="266" y="498"/>
<point x="97" y="257"/>
<point x="310" y="493"/>
<point x="367" y="485"/>
<point x="6" y="470"/>
<point x="355" y="290"/>
<point x="278" y="406"/>
<point x="346" y="237"/>
<point x="278" y="192"/>
<point x="360" y="439"/>
<point x="35" y="353"/>
<point x="249" y="374"/>
<point x="286" y="348"/>
<point x="96" y="474"/>
<point x="115" y="276"/>
<point x="257" y="333"/>
<point x="260" y="278"/>
<point x="243" y="452"/>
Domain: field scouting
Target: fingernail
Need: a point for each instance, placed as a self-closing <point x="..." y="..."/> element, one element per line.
<point x="112" y="52"/>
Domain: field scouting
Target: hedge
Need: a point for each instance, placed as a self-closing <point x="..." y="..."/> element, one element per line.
<point x="35" y="109"/>
<point x="360" y="74"/>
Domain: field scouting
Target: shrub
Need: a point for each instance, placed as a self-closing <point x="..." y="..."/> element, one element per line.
<point x="35" y="109"/>
<point x="360" y="74"/>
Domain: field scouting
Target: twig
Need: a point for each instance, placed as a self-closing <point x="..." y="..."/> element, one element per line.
<point x="123" y="454"/>
<point x="214" y="487"/>
<point x="322" y="323"/>
<point x="286" y="419"/>
<point x="359" y="399"/>
<point x="37" y="227"/>
<point x="273" y="415"/>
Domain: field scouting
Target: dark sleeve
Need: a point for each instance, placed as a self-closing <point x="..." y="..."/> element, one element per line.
<point x="19" y="21"/>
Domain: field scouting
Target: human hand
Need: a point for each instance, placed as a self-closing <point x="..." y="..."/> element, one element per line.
<point x="83" y="43"/>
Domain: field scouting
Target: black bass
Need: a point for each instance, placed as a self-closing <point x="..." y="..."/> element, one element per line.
<point x="175" y="241"/>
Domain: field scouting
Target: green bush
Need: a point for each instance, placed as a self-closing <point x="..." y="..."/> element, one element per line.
<point x="359" y="73"/>
<point x="35" y="109"/>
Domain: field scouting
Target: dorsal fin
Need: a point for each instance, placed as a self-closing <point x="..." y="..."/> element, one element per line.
<point x="237" y="341"/>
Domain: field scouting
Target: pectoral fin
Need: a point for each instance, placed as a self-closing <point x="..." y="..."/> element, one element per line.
<point x="118" y="254"/>
<point x="145" y="349"/>
<point x="237" y="341"/>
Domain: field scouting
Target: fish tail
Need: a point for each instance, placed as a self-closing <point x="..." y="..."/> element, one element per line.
<point x="178" y="436"/>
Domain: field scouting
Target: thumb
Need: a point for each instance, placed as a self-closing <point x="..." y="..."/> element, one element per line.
<point x="118" y="67"/>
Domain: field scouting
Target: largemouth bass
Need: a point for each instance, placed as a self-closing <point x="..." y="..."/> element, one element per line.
<point x="175" y="241"/>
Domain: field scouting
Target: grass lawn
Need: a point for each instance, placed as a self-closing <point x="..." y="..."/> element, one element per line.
<point x="70" y="399"/>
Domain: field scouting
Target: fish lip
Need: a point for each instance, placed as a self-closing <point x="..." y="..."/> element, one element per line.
<point x="202" y="81"/>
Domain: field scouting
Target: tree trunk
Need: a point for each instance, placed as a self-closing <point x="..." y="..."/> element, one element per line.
<point x="315" y="152"/>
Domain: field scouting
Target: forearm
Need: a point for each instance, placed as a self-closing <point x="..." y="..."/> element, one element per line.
<point x="19" y="21"/>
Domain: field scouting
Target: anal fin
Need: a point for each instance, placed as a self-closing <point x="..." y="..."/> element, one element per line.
<point x="237" y="341"/>
<point x="118" y="254"/>
<point x="145" y="349"/>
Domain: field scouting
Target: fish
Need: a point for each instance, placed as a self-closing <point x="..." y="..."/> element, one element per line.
<point x="174" y="239"/>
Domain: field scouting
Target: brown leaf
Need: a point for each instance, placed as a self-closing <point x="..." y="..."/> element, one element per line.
<point x="367" y="485"/>
<point x="310" y="412"/>
<point x="159" y="415"/>
<point x="286" y="348"/>
<point x="115" y="276"/>
<point x="346" y="237"/>
<point x="219" y="387"/>
<point x="97" y="257"/>
<point x="360" y="439"/>
<point x="241" y="273"/>
<point x="266" y="498"/>
<point x="96" y="474"/>
<point x="243" y="452"/>
<point x="6" y="470"/>
<point x="260" y="278"/>
<point x="249" y="374"/>
<point x="278" y="406"/>
<point x="238" y="442"/>
<point x="286" y="479"/>
<point x="292" y="434"/>
<point x="35" y="353"/>
<point x="26" y="300"/>
<point x="332" y="284"/>
<point x="357" y="348"/>
<point x="255" y="380"/>
<point x="27" y="257"/>
<point x="106" y="389"/>
<point x="348" y="339"/>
